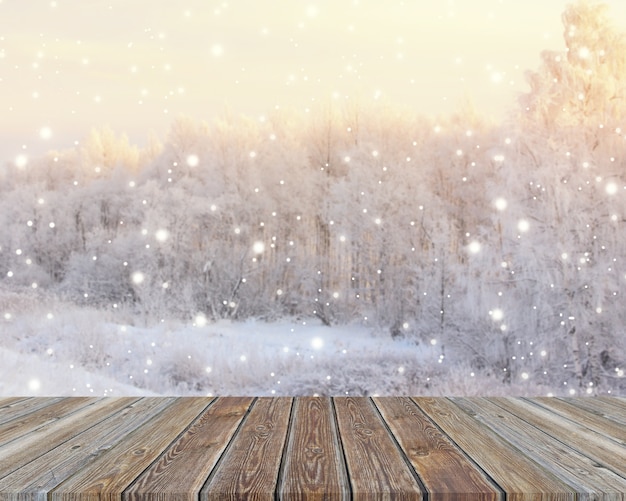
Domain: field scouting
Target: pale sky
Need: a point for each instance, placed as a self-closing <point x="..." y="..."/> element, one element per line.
<point x="67" y="66"/>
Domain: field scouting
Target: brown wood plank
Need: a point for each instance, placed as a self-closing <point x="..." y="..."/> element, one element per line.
<point x="376" y="466"/>
<point x="594" y="445"/>
<point x="55" y="409"/>
<point x="519" y="476"/>
<point x="30" y="446"/>
<point x="606" y="427"/>
<point x="111" y="473"/>
<point x="576" y="469"/>
<point x="250" y="466"/>
<point x="598" y="408"/>
<point x="313" y="467"/>
<point x="49" y="470"/>
<point x="184" y="467"/>
<point x="445" y="471"/>
<point x="313" y="448"/>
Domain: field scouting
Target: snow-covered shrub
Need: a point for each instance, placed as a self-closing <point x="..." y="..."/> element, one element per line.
<point x="83" y="338"/>
<point x="184" y="372"/>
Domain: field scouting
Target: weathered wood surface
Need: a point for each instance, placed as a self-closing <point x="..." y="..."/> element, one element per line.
<point x="315" y="469"/>
<point x="439" y="449"/>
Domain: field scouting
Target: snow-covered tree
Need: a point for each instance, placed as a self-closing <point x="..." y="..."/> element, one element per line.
<point x="564" y="225"/>
<point x="580" y="91"/>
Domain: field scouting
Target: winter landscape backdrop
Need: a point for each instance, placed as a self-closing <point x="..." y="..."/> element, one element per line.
<point x="347" y="249"/>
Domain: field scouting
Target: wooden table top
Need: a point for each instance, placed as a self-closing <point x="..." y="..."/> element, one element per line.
<point x="313" y="448"/>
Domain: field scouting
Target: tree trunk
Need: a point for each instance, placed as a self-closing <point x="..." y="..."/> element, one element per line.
<point x="576" y="352"/>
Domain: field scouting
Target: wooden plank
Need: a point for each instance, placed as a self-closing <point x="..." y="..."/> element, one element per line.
<point x="376" y="467"/>
<point x="598" y="407"/>
<point x="619" y="403"/>
<point x="56" y="409"/>
<point x="458" y="449"/>
<point x="10" y="404"/>
<point x="445" y="471"/>
<point x="599" y="424"/>
<point x="30" y="446"/>
<point x="43" y="474"/>
<point x="8" y="401"/>
<point x="184" y="467"/>
<point x="313" y="468"/>
<point x="603" y="450"/>
<point x="519" y="476"/>
<point x="576" y="469"/>
<point x="111" y="473"/>
<point x="22" y="406"/>
<point x="250" y="466"/>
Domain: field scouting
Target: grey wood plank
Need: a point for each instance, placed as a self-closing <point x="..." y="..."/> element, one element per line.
<point x="599" y="424"/>
<point x="12" y="408"/>
<point x="571" y="466"/>
<point x="443" y="468"/>
<point x="35" y="443"/>
<point x="521" y="478"/>
<point x="112" y="472"/>
<point x="6" y="401"/>
<point x="377" y="468"/>
<point x="251" y="463"/>
<point x="313" y="467"/>
<point x="617" y="403"/>
<point x="54" y="410"/>
<point x="603" y="450"/>
<point x="598" y="407"/>
<point x="183" y="468"/>
<point x="35" y="479"/>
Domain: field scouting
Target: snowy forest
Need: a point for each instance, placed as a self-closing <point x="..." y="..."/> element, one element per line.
<point x="504" y="242"/>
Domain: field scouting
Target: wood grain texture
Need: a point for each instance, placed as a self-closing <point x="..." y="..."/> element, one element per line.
<point x="9" y="401"/>
<point x="14" y="408"/>
<point x="315" y="469"/>
<point x="591" y="483"/>
<point x="520" y="477"/>
<point x="603" y="450"/>
<point x="184" y="467"/>
<point x="599" y="424"/>
<point x="439" y="449"/>
<point x="446" y="472"/>
<point x="115" y="470"/>
<point x="37" y="442"/>
<point x="47" y="471"/>
<point x="37" y="418"/>
<point x="599" y="407"/>
<point x="250" y="467"/>
<point x="376" y="467"/>
<point x="619" y="402"/>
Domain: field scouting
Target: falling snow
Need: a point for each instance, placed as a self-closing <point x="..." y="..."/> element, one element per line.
<point x="333" y="238"/>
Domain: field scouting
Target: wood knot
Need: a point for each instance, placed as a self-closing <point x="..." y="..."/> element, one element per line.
<point x="363" y="431"/>
<point x="262" y="430"/>
<point x="419" y="452"/>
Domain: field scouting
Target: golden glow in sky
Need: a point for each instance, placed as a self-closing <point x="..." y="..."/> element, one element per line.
<point x="67" y="66"/>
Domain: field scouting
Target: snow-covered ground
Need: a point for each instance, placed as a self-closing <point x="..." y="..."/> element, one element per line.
<point x="50" y="348"/>
<point x="79" y="356"/>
